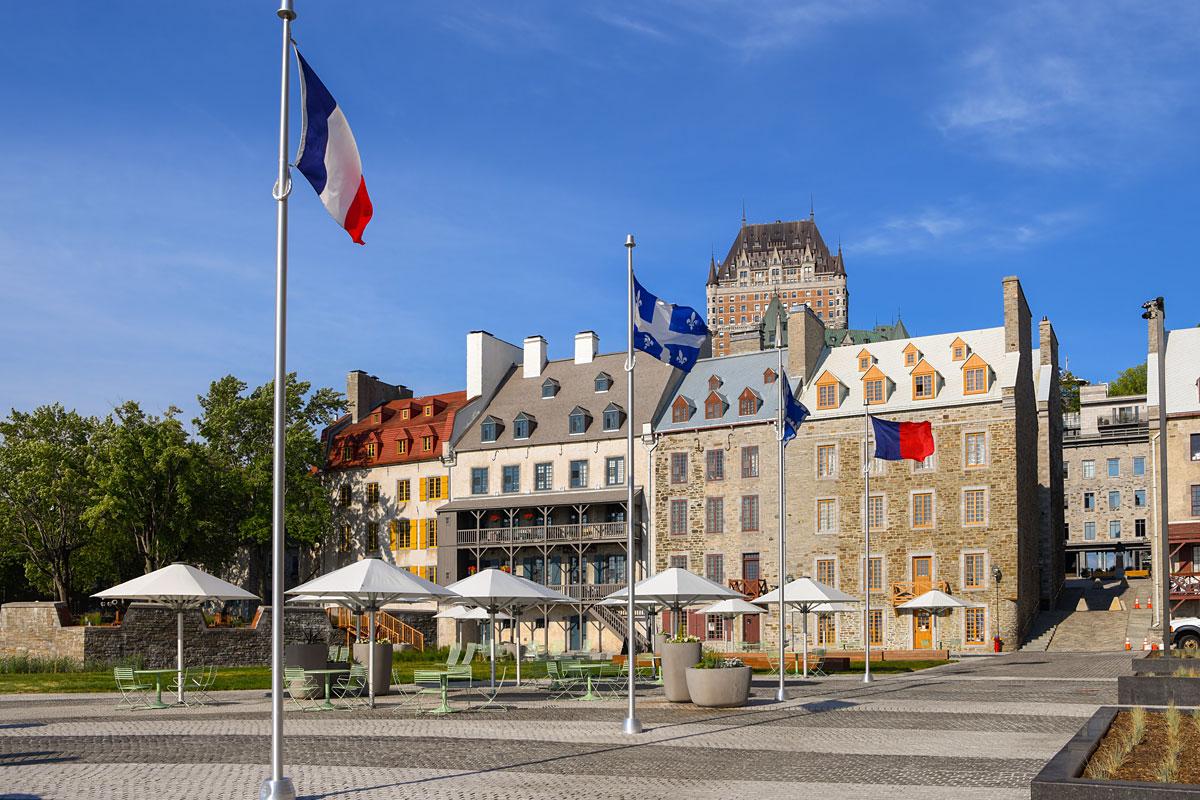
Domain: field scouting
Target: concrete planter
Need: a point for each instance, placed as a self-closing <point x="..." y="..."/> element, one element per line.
<point x="727" y="687"/>
<point x="306" y="656"/>
<point x="383" y="664"/>
<point x="676" y="658"/>
<point x="1157" y="690"/>
<point x="1060" y="778"/>
<point x="1160" y="665"/>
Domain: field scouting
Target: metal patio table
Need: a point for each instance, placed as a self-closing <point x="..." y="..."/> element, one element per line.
<point x="158" y="678"/>
<point x="328" y="673"/>
<point x="590" y="669"/>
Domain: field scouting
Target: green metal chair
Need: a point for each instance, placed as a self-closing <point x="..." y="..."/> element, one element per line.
<point x="131" y="689"/>
<point x="298" y="685"/>
<point x="490" y="693"/>
<point x="351" y="689"/>
<point x="454" y="654"/>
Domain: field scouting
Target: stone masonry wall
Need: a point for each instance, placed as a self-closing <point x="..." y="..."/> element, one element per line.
<point x="35" y="629"/>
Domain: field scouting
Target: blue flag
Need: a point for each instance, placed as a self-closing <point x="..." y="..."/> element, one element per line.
<point x="794" y="412"/>
<point x="673" y="334"/>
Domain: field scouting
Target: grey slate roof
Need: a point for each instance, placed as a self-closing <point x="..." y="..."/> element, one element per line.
<point x="517" y="394"/>
<point x="737" y="372"/>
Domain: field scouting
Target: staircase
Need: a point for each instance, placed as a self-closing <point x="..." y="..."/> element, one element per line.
<point x="615" y="622"/>
<point x="1046" y="623"/>
<point x="358" y="626"/>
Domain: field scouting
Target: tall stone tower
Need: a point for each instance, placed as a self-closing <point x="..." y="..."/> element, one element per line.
<point x="788" y="260"/>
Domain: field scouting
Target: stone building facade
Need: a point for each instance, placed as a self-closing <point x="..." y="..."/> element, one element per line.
<point x="788" y="260"/>
<point x="969" y="520"/>
<point x="1108" y="503"/>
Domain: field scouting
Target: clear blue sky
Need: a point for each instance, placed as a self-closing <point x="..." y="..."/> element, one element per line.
<point x="509" y="147"/>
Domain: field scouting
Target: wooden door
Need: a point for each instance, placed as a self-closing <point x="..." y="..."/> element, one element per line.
<point x="922" y="630"/>
<point x="922" y="574"/>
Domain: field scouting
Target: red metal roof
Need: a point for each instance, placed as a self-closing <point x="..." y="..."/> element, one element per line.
<point x="385" y="425"/>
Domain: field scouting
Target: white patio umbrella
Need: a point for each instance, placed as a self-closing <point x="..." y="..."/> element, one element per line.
<point x="371" y="584"/>
<point x="934" y="601"/>
<point x="179" y="587"/>
<point x="807" y="596"/>
<point x="676" y="588"/>
<point x="730" y="609"/>
<point x="495" y="590"/>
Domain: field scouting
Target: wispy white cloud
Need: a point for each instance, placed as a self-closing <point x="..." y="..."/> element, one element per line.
<point x="962" y="229"/>
<point x="1066" y="84"/>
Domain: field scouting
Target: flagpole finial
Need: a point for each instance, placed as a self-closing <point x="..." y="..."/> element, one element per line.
<point x="285" y="10"/>
<point x="629" y="241"/>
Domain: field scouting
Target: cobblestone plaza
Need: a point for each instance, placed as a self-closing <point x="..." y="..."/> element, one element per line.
<point x="981" y="728"/>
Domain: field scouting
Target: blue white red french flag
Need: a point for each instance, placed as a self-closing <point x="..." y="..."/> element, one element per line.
<point x="898" y="440"/>
<point x="328" y="156"/>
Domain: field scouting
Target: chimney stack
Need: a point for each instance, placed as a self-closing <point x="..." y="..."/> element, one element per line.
<point x="488" y="361"/>
<point x="535" y="356"/>
<point x="587" y="345"/>
<point x="364" y="392"/>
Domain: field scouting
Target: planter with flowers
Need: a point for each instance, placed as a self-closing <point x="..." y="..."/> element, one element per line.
<point x="383" y="661"/>
<point x="718" y="682"/>
<point x="678" y="654"/>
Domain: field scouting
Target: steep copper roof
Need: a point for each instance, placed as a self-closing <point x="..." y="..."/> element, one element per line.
<point x="386" y="424"/>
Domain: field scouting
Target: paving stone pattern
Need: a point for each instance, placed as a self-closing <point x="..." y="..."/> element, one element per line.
<point x="974" y="730"/>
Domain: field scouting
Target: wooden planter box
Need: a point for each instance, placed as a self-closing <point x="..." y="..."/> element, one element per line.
<point x="1060" y="778"/>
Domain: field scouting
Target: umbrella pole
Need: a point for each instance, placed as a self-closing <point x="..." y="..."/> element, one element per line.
<point x="492" y="619"/>
<point x="517" y="628"/>
<point x="179" y="656"/>
<point x="371" y="656"/>
<point x="804" y="636"/>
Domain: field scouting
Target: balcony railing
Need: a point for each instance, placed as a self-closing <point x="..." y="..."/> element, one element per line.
<point x="1185" y="585"/>
<point x="543" y="534"/>
<point x="751" y="588"/>
<point x="903" y="591"/>
<point x="588" y="592"/>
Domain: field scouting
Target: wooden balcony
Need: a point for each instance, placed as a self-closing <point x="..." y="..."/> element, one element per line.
<point x="750" y="588"/>
<point x="903" y="591"/>
<point x="1185" y="585"/>
<point x="542" y="534"/>
<point x="588" y="592"/>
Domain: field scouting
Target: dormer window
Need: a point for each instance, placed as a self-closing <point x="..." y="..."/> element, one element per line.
<point x="829" y="391"/>
<point x="375" y="418"/>
<point x="714" y="406"/>
<point x="749" y="402"/>
<point x="489" y="429"/>
<point x="911" y="355"/>
<point x="426" y="444"/>
<point x="347" y="452"/>
<point x="865" y="360"/>
<point x="873" y="391"/>
<point x="370" y="449"/>
<point x="523" y="425"/>
<point x="924" y="381"/>
<point x="975" y="375"/>
<point x="429" y="410"/>
<point x="769" y="376"/>
<point x="612" y="417"/>
<point x="577" y="421"/>
<point x="603" y="382"/>
<point x="959" y="350"/>
<point x="404" y="413"/>
<point x="549" y="388"/>
<point x="714" y="382"/>
<point x="401" y="447"/>
<point x="681" y="409"/>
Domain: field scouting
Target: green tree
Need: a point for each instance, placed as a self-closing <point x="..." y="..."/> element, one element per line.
<point x="1131" y="381"/>
<point x="1069" y="386"/>
<point x="149" y="491"/>
<point x="237" y="431"/>
<point x="45" y="492"/>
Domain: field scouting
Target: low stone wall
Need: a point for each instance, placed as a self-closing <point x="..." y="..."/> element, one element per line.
<point x="149" y="632"/>
<point x="425" y="623"/>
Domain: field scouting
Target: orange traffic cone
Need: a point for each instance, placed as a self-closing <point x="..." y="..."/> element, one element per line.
<point x="1137" y="603"/>
<point x="1127" y="645"/>
<point x="1149" y="602"/>
<point x="1154" y="646"/>
<point x="1145" y="643"/>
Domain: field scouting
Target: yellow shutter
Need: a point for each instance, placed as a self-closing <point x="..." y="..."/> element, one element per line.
<point x="446" y="487"/>
<point x="392" y="534"/>
<point x="424" y="489"/>
<point x="419" y="544"/>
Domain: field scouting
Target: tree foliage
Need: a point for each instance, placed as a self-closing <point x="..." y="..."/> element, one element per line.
<point x="1131" y="381"/>
<point x="1069" y="386"/>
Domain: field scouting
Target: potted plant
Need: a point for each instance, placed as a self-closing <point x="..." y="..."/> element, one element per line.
<point x="383" y="661"/>
<point x="718" y="682"/>
<point x="678" y="654"/>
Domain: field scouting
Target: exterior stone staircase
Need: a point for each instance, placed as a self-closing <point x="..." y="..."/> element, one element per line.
<point x="614" y="620"/>
<point x="1083" y="620"/>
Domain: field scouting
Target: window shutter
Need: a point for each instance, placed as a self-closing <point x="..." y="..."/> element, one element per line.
<point x="419" y="544"/>
<point x="446" y="486"/>
<point x="392" y="534"/>
<point x="424" y="489"/>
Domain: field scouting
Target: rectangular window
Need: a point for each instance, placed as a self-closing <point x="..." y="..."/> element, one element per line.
<point x="714" y="465"/>
<point x="826" y="515"/>
<point x="827" y="395"/>
<point x="922" y="387"/>
<point x="1089" y="531"/>
<point x="431" y="535"/>
<point x="973" y="571"/>
<point x="1114" y="500"/>
<point x="679" y="467"/>
<point x="401" y="446"/>
<point x="1089" y="501"/>
<point x="372" y="536"/>
<point x="875" y="574"/>
<point x="677" y="562"/>
<point x="826" y="571"/>
<point x="370" y="449"/>
<point x="873" y="392"/>
<point x="347" y="452"/>
<point x="614" y="471"/>
<point x="372" y="493"/>
<point x="875" y="512"/>
<point x="1139" y="498"/>
<point x="976" y="447"/>
<point x="714" y="568"/>
<point x="750" y="512"/>
<point x="1139" y="466"/>
<point x="679" y="517"/>
<point x="922" y="510"/>
<point x="1114" y="467"/>
<point x="1139" y="528"/>
<point x="1089" y="468"/>
<point x="975" y="380"/>
<point x="1114" y="529"/>
<point x="1195" y="500"/>
<point x="510" y="479"/>
<point x="826" y="460"/>
<point x="344" y="541"/>
<point x="974" y="506"/>
<point x="579" y="474"/>
<point x="749" y="462"/>
<point x="974" y="627"/>
<point x="344" y="494"/>
<point x="714" y="515"/>
<point x="926" y="465"/>
<point x="1195" y="442"/>
<point x="403" y="535"/>
<point x="479" y="480"/>
<point x="543" y="477"/>
<point x="426" y="444"/>
<point x="826" y="630"/>
<point x="403" y="490"/>
<point x="875" y="627"/>
<point x="434" y="489"/>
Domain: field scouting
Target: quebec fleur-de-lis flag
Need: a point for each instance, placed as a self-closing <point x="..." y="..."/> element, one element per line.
<point x="674" y="334"/>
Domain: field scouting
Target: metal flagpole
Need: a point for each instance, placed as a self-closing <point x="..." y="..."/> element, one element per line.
<point x="632" y="723"/>
<point x="781" y="692"/>
<point x="867" y="541"/>
<point x="279" y="787"/>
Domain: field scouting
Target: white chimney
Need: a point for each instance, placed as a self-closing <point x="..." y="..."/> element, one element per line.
<point x="587" y="344"/>
<point x="535" y="356"/>
<point x="488" y="361"/>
